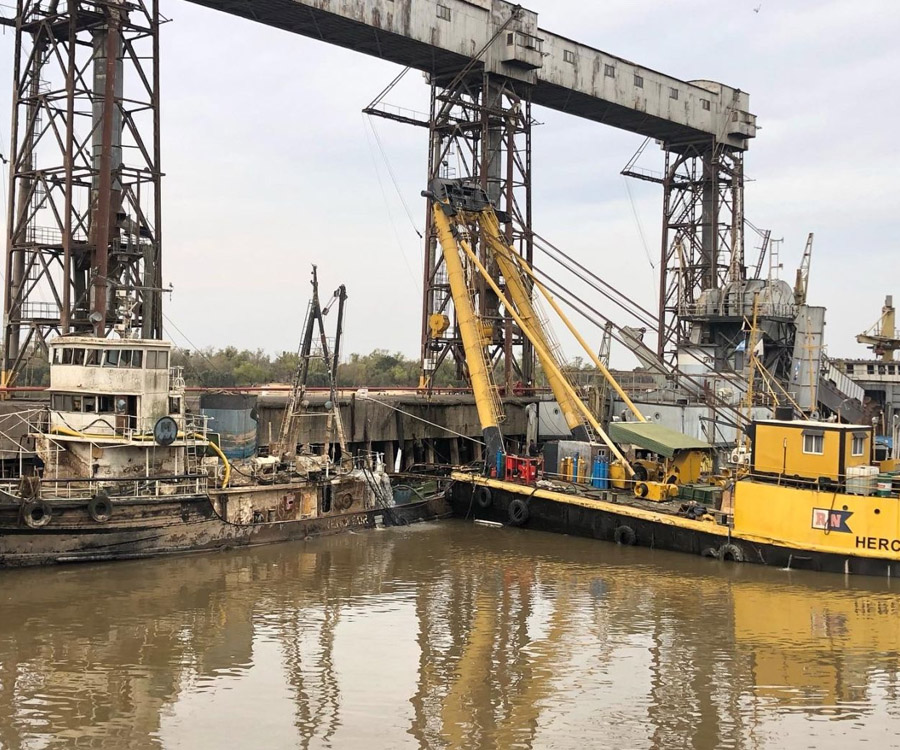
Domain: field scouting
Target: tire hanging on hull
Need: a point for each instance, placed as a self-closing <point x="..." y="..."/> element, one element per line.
<point x="625" y="535"/>
<point x="518" y="512"/>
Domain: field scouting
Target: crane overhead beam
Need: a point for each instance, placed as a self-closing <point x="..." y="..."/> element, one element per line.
<point x="440" y="37"/>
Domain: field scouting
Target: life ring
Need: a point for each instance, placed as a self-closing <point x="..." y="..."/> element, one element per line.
<point x="344" y="501"/>
<point x="483" y="497"/>
<point x="518" y="512"/>
<point x="100" y="508"/>
<point x="731" y="553"/>
<point x="36" y="513"/>
<point x="624" y="535"/>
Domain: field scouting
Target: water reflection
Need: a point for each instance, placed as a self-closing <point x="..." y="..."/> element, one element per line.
<point x="446" y="636"/>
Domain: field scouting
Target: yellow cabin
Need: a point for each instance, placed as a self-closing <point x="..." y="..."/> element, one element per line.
<point x="808" y="451"/>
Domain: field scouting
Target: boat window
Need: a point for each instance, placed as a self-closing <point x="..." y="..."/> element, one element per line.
<point x="57" y="356"/>
<point x="175" y="405"/>
<point x="137" y="358"/>
<point x="859" y="446"/>
<point x="78" y="356"/>
<point x="61" y="402"/>
<point x="125" y="358"/>
<point x="90" y="404"/>
<point x="157" y="360"/>
<point x="67" y="356"/>
<point x="76" y="403"/>
<point x="92" y="357"/>
<point x="814" y="443"/>
<point x="111" y="358"/>
<point x="104" y="404"/>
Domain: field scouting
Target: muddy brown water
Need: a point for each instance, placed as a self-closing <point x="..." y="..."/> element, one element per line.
<point x="446" y="635"/>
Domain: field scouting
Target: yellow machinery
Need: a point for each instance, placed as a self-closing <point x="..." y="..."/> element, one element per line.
<point x="678" y="459"/>
<point x="656" y="491"/>
<point x="460" y="211"/>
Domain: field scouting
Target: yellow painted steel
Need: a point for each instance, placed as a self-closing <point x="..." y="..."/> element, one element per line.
<point x="598" y="363"/>
<point x="765" y="513"/>
<point x="538" y="345"/>
<point x="618" y="508"/>
<point x="521" y="298"/>
<point x="466" y="320"/>
<point x="690" y="466"/>
<point x="778" y="449"/>
<point x="788" y="516"/>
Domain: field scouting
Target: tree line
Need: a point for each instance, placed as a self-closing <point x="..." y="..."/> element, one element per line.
<point x="231" y="367"/>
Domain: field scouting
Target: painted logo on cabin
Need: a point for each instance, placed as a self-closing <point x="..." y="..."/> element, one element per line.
<point x="828" y="519"/>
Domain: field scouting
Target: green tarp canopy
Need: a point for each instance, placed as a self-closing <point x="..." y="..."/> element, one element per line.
<point x="654" y="437"/>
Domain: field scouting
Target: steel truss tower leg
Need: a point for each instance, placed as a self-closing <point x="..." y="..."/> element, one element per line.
<point x="702" y="238"/>
<point x="83" y="247"/>
<point x="480" y="130"/>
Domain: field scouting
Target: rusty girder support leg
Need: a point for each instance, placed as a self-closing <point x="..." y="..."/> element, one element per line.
<point x="83" y="222"/>
<point x="480" y="130"/>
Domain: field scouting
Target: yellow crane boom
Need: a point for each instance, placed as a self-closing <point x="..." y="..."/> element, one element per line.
<point x="471" y="334"/>
<point x="460" y="209"/>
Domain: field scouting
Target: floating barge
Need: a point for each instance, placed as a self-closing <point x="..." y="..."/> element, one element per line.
<point x="809" y="500"/>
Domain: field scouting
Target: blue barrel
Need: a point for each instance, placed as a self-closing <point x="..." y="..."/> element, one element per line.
<point x="596" y="477"/>
<point x="604" y="474"/>
<point x="233" y="416"/>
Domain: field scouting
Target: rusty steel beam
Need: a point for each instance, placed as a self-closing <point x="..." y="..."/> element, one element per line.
<point x="83" y="251"/>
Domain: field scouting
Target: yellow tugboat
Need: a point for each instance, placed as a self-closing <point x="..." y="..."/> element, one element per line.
<point x="805" y="494"/>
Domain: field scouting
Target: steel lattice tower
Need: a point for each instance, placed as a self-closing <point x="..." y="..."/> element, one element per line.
<point x="480" y="130"/>
<point x="83" y="247"/>
<point x="703" y="238"/>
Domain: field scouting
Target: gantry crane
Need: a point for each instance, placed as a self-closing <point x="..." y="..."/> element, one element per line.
<point x="883" y="338"/>
<point x="801" y="286"/>
<point x="461" y="210"/>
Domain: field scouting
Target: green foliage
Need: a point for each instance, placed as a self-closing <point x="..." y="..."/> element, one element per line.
<point x="222" y="368"/>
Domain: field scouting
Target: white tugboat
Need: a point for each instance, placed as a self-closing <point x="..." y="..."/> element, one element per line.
<point x="123" y="470"/>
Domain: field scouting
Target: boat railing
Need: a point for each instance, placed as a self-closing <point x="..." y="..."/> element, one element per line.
<point x="859" y="486"/>
<point x="176" y="379"/>
<point x="120" y="489"/>
<point x="368" y="460"/>
<point x="191" y="428"/>
<point x="196" y="426"/>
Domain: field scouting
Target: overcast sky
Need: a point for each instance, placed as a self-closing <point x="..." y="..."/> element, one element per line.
<point x="270" y="165"/>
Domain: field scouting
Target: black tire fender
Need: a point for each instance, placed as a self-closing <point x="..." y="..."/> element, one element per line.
<point x="100" y="507"/>
<point x="731" y="553"/>
<point x="483" y="497"/>
<point x="36" y="514"/>
<point x="624" y="535"/>
<point x="709" y="552"/>
<point x="518" y="512"/>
